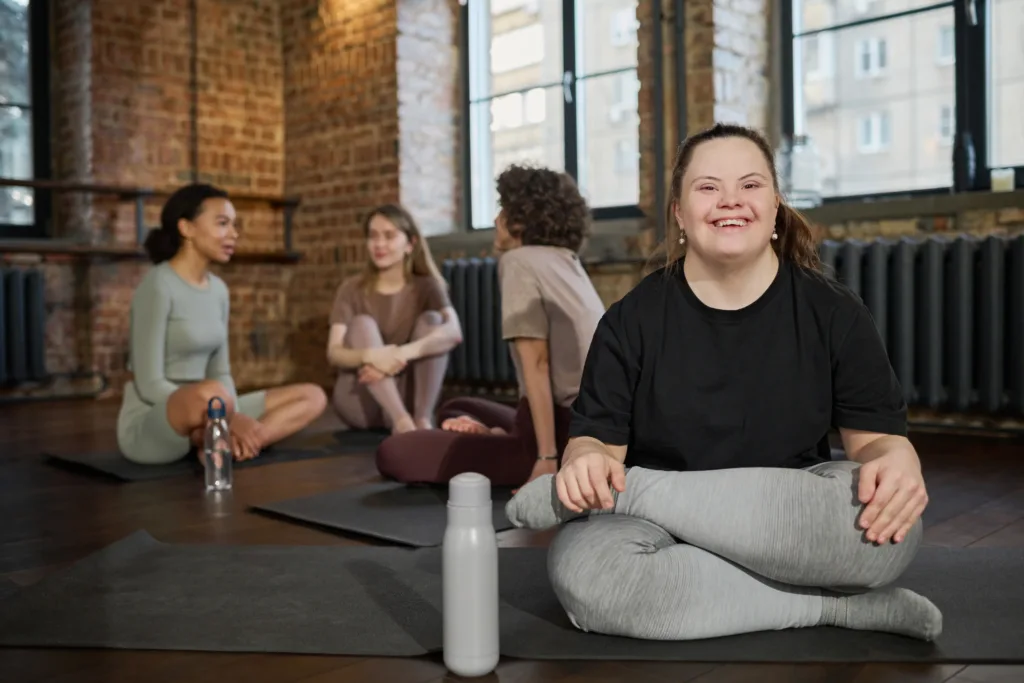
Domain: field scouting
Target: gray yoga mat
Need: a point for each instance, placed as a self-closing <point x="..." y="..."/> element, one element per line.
<point x="373" y="601"/>
<point x="113" y="464"/>
<point x="410" y="515"/>
<point x="141" y="594"/>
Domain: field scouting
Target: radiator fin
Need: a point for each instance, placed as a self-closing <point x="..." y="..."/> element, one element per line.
<point x="950" y="311"/>
<point x="22" y="326"/>
<point x="476" y="296"/>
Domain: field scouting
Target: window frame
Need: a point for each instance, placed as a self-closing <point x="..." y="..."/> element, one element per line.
<point x="971" y="40"/>
<point x="39" y="114"/>
<point x="570" y="124"/>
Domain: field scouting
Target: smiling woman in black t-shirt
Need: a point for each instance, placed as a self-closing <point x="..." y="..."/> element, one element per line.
<point x="699" y="464"/>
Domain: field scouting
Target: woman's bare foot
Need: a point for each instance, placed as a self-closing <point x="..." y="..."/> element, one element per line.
<point x="424" y="423"/>
<point x="469" y="425"/>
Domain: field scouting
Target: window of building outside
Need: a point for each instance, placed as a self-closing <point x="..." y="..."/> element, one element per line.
<point x="875" y="90"/>
<point x="555" y="84"/>
<point x="16" y="132"/>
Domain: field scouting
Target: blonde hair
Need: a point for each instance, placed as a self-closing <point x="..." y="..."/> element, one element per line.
<point x="419" y="262"/>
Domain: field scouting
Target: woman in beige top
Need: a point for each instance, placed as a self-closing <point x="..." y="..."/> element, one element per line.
<point x="549" y="311"/>
<point x="392" y="327"/>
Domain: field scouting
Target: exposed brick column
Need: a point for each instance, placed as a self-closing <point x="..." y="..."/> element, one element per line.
<point x="428" y="112"/>
<point x="371" y="93"/>
<point x="726" y="76"/>
<point x="341" y="135"/>
<point x="741" y="62"/>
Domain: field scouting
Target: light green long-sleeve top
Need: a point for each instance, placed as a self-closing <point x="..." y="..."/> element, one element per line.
<point x="179" y="334"/>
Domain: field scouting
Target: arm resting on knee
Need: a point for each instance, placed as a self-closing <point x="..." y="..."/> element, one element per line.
<point x="581" y="445"/>
<point x="341" y="356"/>
<point x="442" y="339"/>
<point x="863" y="447"/>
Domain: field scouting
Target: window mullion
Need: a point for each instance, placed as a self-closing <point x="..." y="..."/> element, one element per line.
<point x="569" y="99"/>
<point x="970" y="154"/>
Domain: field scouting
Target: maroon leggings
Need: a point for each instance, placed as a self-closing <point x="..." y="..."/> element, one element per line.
<point x="435" y="456"/>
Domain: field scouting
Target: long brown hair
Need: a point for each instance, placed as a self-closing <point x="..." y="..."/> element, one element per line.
<point x="796" y="239"/>
<point x="419" y="262"/>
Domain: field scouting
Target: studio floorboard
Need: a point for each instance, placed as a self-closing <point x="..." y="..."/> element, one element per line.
<point x="53" y="517"/>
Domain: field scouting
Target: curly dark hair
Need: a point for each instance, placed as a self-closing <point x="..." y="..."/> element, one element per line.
<point x="543" y="207"/>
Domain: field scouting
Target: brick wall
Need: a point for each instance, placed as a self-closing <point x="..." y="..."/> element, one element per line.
<point x="349" y="106"/>
<point x="123" y="114"/>
<point x="371" y="117"/>
<point x="428" y="112"/>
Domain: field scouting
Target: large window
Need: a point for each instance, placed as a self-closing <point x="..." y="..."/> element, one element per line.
<point x="554" y="83"/>
<point x="901" y="96"/>
<point x="23" y="139"/>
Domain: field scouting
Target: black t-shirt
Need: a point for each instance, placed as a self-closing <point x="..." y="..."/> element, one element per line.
<point x="688" y="387"/>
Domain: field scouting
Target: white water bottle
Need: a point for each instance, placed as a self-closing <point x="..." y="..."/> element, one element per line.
<point x="470" y="578"/>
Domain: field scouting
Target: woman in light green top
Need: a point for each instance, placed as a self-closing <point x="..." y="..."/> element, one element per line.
<point x="178" y="351"/>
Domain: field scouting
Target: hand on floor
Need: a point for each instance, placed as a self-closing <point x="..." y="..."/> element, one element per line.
<point x="469" y="425"/>
<point x="247" y="436"/>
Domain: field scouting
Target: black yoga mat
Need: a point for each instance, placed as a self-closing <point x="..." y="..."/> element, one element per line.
<point x="7" y="587"/>
<point x="142" y="594"/>
<point x="113" y="464"/>
<point x="410" y="515"/>
<point x="375" y="601"/>
<point x="978" y="590"/>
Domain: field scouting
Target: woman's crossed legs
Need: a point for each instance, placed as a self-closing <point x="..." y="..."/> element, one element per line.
<point x="688" y="555"/>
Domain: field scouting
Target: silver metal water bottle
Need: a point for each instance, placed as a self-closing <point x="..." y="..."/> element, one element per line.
<point x="470" y="578"/>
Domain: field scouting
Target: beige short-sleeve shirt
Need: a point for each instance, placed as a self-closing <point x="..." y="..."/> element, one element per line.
<point x="396" y="313"/>
<point x="546" y="294"/>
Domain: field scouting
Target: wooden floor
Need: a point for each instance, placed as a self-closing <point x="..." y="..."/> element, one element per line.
<point x="51" y="518"/>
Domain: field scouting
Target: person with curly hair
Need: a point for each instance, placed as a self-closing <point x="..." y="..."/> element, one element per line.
<point x="698" y="496"/>
<point x="549" y="311"/>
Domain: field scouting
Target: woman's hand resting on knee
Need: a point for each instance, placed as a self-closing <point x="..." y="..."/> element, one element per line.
<point x="892" y="487"/>
<point x="583" y="482"/>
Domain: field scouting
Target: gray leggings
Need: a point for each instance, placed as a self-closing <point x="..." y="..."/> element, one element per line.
<point x="713" y="553"/>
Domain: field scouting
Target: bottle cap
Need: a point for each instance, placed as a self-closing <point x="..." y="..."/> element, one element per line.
<point x="216" y="413"/>
<point x="469" y="489"/>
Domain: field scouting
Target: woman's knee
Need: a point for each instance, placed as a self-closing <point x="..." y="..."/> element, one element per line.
<point x="891" y="559"/>
<point x="362" y="331"/>
<point x="191" y="401"/>
<point x="591" y="564"/>
<point x="313" y="397"/>
<point x="869" y="565"/>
